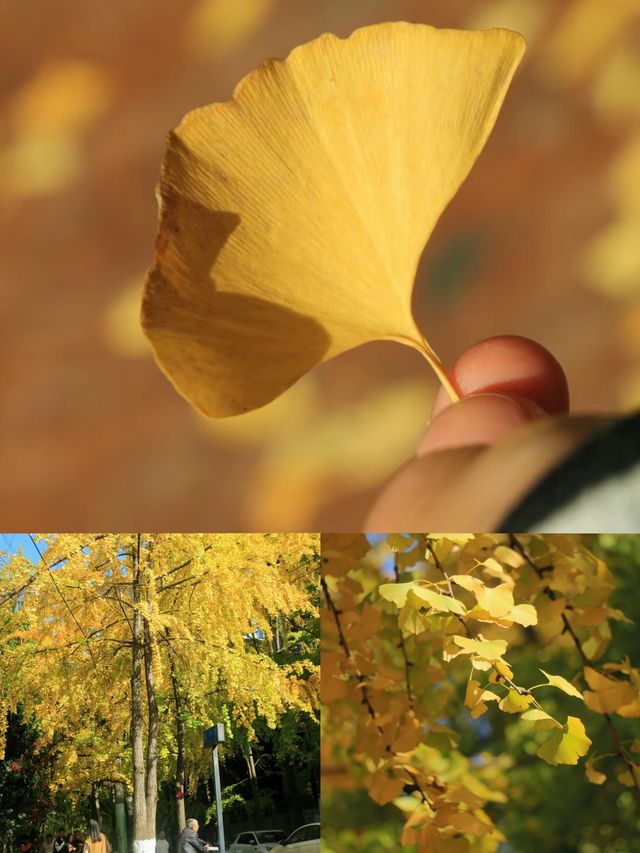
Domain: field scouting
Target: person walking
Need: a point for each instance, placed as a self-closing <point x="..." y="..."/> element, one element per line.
<point x="189" y="840"/>
<point x="96" y="841"/>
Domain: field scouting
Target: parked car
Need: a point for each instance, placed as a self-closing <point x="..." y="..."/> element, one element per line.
<point x="305" y="839"/>
<point x="256" y="841"/>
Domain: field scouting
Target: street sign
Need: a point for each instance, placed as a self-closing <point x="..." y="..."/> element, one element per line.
<point x="214" y="735"/>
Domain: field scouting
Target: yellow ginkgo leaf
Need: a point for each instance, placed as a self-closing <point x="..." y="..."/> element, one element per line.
<point x="490" y="650"/>
<point x="476" y="698"/>
<point x="566" y="746"/>
<point x="294" y="215"/>
<point x="514" y="702"/>
<point x="596" y="777"/>
<point x="383" y="788"/>
<point x="608" y="694"/>
<point x="562" y="683"/>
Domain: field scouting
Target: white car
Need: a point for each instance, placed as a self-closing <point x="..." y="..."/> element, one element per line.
<point x="257" y="841"/>
<point x="305" y="839"/>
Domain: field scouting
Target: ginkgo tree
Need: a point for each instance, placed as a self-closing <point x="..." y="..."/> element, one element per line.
<point x="120" y="643"/>
<point x="424" y="627"/>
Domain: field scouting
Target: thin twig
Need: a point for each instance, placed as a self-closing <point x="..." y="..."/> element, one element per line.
<point x="366" y="699"/>
<point x="407" y="663"/>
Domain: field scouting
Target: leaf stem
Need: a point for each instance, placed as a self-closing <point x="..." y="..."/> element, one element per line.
<point x="438" y="367"/>
<point x="439" y="370"/>
<point x="407" y="663"/>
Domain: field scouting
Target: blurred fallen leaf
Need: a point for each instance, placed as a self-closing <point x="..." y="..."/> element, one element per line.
<point x="355" y="447"/>
<point x="579" y="42"/>
<point x="523" y="16"/>
<point x="287" y="416"/>
<point x="629" y="389"/>
<point x="121" y="323"/>
<point x="38" y="164"/>
<point x="611" y="262"/>
<point x="624" y="176"/>
<point x="217" y="28"/>
<point x="62" y="97"/>
<point x="46" y="117"/>
<point x="616" y="89"/>
<point x="629" y="330"/>
<point x="293" y="216"/>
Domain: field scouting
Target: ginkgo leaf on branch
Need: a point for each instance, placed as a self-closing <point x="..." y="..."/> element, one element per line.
<point x="438" y="601"/>
<point x="566" y="746"/>
<point x="514" y="702"/>
<point x="476" y="698"/>
<point x="383" y="787"/>
<point x="293" y="216"/>
<point x="607" y="695"/>
<point x="420" y="595"/>
<point x="489" y="650"/>
<point x="596" y="777"/>
<point x="540" y="719"/>
<point x="562" y="684"/>
<point x="396" y="592"/>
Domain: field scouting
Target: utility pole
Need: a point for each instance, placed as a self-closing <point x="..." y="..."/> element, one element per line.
<point x="213" y="737"/>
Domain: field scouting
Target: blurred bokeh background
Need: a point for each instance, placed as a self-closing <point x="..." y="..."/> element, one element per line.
<point x="542" y="240"/>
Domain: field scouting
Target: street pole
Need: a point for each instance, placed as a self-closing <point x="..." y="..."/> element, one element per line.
<point x="213" y="737"/>
<point x="121" y="819"/>
<point x="216" y="779"/>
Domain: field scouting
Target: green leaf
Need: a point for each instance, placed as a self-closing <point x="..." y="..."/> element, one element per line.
<point x="396" y="592"/>
<point x="440" y="602"/>
<point x="413" y="621"/>
<point x="566" y="746"/>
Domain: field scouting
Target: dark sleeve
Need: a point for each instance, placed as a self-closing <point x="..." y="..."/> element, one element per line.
<point x="595" y="489"/>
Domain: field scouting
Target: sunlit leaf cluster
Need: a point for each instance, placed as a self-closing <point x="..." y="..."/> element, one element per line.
<point x="418" y="632"/>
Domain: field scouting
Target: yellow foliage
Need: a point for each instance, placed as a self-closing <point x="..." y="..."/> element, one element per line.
<point x="394" y="662"/>
<point x="216" y="607"/>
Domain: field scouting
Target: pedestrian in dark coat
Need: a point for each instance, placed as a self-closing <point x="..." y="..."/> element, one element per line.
<point x="189" y="840"/>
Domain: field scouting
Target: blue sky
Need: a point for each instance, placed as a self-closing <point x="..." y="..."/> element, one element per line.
<point x="10" y="543"/>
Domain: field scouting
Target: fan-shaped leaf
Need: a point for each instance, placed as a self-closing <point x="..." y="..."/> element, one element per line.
<point x="294" y="215"/>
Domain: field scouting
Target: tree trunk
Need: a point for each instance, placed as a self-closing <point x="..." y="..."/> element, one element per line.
<point x="253" y="780"/>
<point x="180" y="739"/>
<point x="151" y="784"/>
<point x="95" y="803"/>
<point x="143" y="840"/>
